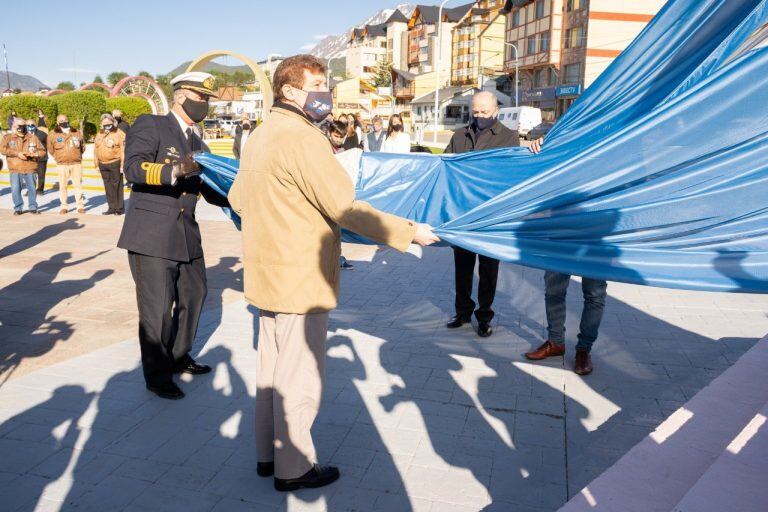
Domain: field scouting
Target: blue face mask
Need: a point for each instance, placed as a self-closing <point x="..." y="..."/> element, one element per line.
<point x="318" y="105"/>
<point x="31" y="128"/>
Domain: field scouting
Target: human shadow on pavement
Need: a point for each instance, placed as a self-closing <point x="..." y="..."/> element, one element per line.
<point x="26" y="328"/>
<point x="43" y="234"/>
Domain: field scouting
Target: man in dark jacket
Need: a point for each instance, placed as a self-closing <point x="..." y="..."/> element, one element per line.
<point x="242" y="132"/>
<point x="161" y="234"/>
<point x="42" y="163"/>
<point x="485" y="132"/>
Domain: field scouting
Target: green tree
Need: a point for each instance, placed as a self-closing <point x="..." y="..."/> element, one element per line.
<point x="165" y="84"/>
<point x="131" y="107"/>
<point x="146" y="74"/>
<point x="115" y="77"/>
<point x="383" y="75"/>
<point x="98" y="80"/>
<point x="66" y="86"/>
<point x="83" y="108"/>
<point x="26" y="106"/>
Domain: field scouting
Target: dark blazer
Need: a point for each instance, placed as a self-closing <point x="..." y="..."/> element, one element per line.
<point x="124" y="126"/>
<point x="160" y="220"/>
<point x="236" y="149"/>
<point x="465" y="139"/>
<point x="43" y="138"/>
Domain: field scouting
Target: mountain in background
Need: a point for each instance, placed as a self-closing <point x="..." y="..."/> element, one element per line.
<point x="336" y="46"/>
<point x="21" y="82"/>
<point x="211" y="66"/>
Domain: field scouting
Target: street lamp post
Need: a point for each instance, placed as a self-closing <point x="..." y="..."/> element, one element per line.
<point x="517" y="70"/>
<point x="439" y="49"/>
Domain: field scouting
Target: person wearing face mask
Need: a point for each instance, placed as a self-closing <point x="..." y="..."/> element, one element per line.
<point x="108" y="156"/>
<point x="337" y="135"/>
<point x="66" y="146"/>
<point x="120" y="122"/>
<point x="242" y="132"/>
<point x="42" y="162"/>
<point x="161" y="234"/>
<point x="375" y="139"/>
<point x="485" y="132"/>
<point x="293" y="197"/>
<point x="22" y="150"/>
<point x="397" y="141"/>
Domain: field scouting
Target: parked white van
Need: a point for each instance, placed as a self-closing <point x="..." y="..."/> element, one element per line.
<point x="521" y="119"/>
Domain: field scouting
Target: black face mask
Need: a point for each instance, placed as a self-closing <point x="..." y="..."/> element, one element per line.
<point x="118" y="119"/>
<point x="64" y="125"/>
<point x="483" y="123"/>
<point x="196" y="110"/>
<point x="21" y="129"/>
<point x="246" y="126"/>
<point x="397" y="127"/>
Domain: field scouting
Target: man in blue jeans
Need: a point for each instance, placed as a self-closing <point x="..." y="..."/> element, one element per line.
<point x="556" y="287"/>
<point x="22" y="151"/>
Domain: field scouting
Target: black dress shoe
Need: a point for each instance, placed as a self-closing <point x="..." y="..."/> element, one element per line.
<point x="484" y="329"/>
<point x="458" y="321"/>
<point x="108" y="212"/>
<point x="318" y="476"/>
<point x="34" y="212"/>
<point x="169" y="391"/>
<point x="265" y="468"/>
<point x="17" y="212"/>
<point x="191" y="367"/>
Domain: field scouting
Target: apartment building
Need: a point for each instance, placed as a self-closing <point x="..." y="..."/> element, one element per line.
<point x="422" y="38"/>
<point x="367" y="50"/>
<point x="562" y="46"/>
<point x="478" y="44"/>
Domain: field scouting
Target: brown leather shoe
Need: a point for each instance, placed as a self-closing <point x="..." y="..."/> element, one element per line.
<point x="548" y="349"/>
<point x="63" y="211"/>
<point x="81" y="210"/>
<point x="583" y="364"/>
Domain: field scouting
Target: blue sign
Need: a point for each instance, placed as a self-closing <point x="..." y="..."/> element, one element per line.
<point x="568" y="90"/>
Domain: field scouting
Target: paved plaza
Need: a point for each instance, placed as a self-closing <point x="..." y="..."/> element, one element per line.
<point x="418" y="418"/>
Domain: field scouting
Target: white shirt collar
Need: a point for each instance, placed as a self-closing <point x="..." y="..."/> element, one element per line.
<point x="182" y="124"/>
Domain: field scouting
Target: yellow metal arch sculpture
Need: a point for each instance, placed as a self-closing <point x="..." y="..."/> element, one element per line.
<point x="264" y="83"/>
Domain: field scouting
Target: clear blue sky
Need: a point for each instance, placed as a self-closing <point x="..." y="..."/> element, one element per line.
<point x="49" y="40"/>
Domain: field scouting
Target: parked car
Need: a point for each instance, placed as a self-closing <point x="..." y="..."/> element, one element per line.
<point x="522" y="119"/>
<point x="539" y="131"/>
<point x="211" y="129"/>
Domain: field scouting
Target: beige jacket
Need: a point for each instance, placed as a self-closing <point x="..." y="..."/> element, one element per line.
<point x="66" y="148"/>
<point x="13" y="145"/>
<point x="109" y="147"/>
<point x="293" y="196"/>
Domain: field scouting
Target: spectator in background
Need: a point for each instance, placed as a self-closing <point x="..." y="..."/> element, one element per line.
<point x="374" y="140"/>
<point x="122" y="125"/>
<point x="337" y="135"/>
<point x="359" y="126"/>
<point x="41" y="122"/>
<point x="397" y="140"/>
<point x="11" y="120"/>
<point x="108" y="156"/>
<point x="42" y="162"/>
<point x="22" y="150"/>
<point x="242" y="131"/>
<point x="352" y="141"/>
<point x="66" y="146"/>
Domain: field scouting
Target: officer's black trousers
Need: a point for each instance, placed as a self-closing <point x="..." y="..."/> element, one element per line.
<point x="42" y="166"/>
<point x="465" y="269"/>
<point x="170" y="296"/>
<point x="113" y="185"/>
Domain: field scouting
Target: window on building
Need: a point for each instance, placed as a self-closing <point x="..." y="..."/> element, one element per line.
<point x="544" y="46"/>
<point x="531" y="45"/>
<point x="574" y="37"/>
<point x="539" y="9"/>
<point x="572" y="73"/>
<point x="516" y="18"/>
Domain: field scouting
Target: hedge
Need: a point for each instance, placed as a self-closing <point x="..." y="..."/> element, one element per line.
<point x="78" y="104"/>
<point x="131" y="107"/>
<point x="26" y="105"/>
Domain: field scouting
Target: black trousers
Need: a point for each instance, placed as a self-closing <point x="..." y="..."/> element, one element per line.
<point x="113" y="185"/>
<point x="42" y="166"/>
<point x="170" y="296"/>
<point x="465" y="269"/>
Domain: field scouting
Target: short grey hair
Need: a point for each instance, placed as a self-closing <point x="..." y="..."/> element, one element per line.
<point x="106" y="116"/>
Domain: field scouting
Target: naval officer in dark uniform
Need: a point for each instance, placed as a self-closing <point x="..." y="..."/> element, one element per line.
<point x="161" y="234"/>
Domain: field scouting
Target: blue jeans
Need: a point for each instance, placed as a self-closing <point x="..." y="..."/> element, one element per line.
<point x="556" y="286"/>
<point x="29" y="181"/>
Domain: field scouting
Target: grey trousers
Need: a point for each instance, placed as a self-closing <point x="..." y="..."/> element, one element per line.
<point x="289" y="385"/>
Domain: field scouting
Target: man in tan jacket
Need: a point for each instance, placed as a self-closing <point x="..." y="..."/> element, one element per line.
<point x="108" y="157"/>
<point x="22" y="150"/>
<point x="293" y="197"/>
<point x="66" y="146"/>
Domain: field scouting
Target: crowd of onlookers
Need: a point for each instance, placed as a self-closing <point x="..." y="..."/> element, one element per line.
<point x="348" y="131"/>
<point x="29" y="143"/>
